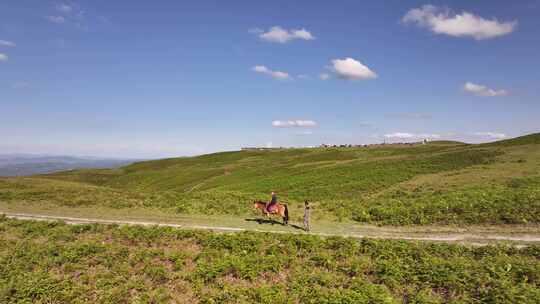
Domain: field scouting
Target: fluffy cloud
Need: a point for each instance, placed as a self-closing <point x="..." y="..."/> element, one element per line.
<point x="399" y="135"/>
<point x="64" y="8"/>
<point x="3" y="57"/>
<point x="73" y="14"/>
<point x="405" y="135"/>
<point x="465" y="24"/>
<point x="428" y="136"/>
<point x="302" y="34"/>
<point x="351" y="69"/>
<point x="275" y="74"/>
<point x="324" y="76"/>
<point x="491" y="135"/>
<point x="280" y="35"/>
<point x="56" y="19"/>
<point x="480" y="90"/>
<point x="293" y="123"/>
<point x="7" y="43"/>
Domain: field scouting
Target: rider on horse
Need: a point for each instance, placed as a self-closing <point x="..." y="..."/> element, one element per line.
<point x="273" y="208"/>
<point x="272" y="203"/>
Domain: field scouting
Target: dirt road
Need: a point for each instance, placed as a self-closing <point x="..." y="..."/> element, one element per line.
<point x="479" y="238"/>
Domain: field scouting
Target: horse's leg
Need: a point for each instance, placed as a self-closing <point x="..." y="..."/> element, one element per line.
<point x="282" y="213"/>
<point x="263" y="211"/>
<point x="285" y="214"/>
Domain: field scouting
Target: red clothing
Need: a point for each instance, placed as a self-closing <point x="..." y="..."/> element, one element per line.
<point x="272" y="203"/>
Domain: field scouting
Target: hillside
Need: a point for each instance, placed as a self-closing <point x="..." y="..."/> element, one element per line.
<point x="522" y="140"/>
<point x="441" y="182"/>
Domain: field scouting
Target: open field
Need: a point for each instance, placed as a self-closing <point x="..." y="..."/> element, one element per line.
<point x="44" y="262"/>
<point x="439" y="183"/>
<point x="278" y="152"/>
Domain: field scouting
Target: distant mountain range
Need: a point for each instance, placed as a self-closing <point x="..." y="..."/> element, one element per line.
<point x="29" y="164"/>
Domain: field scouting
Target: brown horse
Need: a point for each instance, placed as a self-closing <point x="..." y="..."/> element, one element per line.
<point x="279" y="209"/>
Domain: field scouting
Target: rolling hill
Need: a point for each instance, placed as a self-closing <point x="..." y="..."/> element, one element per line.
<point x="28" y="164"/>
<point x="441" y="182"/>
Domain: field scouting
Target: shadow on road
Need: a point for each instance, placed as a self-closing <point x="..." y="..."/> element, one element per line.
<point x="261" y="221"/>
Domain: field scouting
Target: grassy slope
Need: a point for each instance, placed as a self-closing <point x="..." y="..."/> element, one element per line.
<point x="44" y="262"/>
<point x="442" y="182"/>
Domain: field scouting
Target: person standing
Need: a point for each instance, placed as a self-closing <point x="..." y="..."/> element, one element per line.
<point x="307" y="210"/>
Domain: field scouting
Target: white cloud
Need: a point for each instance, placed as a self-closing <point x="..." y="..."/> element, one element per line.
<point x="293" y="123"/>
<point x="303" y="76"/>
<point x="351" y="69"/>
<point x="406" y="135"/>
<point x="71" y="13"/>
<point x="64" y="8"/>
<point x="465" y="24"/>
<point x="428" y="136"/>
<point x="481" y="90"/>
<point x="56" y="19"/>
<point x="280" y="35"/>
<point x="491" y="135"/>
<point x="324" y="76"/>
<point x="7" y="43"/>
<point x="3" y="57"/>
<point x="275" y="74"/>
<point x="399" y="135"/>
<point x="302" y="34"/>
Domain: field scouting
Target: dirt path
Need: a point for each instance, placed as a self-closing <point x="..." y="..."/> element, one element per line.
<point x="419" y="234"/>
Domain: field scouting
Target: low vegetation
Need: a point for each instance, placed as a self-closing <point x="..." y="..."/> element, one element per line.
<point x="44" y="262"/>
<point x="437" y="183"/>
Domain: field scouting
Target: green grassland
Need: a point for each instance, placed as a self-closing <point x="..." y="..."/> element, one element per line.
<point x="438" y="183"/>
<point x="45" y="262"/>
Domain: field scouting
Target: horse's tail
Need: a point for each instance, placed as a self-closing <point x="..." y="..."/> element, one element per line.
<point x="286" y="218"/>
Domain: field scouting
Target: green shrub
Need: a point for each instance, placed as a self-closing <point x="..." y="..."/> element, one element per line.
<point x="103" y="264"/>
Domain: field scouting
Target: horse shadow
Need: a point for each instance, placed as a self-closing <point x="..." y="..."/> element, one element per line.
<point x="261" y="221"/>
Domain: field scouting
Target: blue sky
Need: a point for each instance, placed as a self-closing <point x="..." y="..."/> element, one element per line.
<point x="147" y="79"/>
